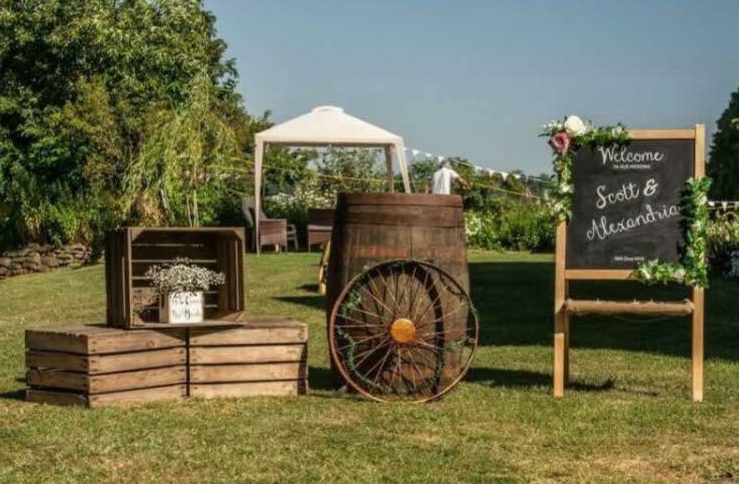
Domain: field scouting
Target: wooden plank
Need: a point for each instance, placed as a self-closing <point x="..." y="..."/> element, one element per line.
<point x="131" y="380"/>
<point x="96" y="339"/>
<point x="111" y="382"/>
<point x="50" y="397"/>
<point x="59" y="361"/>
<point x="52" y="378"/>
<point x="96" y="364"/>
<point x="252" y="389"/>
<point x="137" y="360"/>
<point x="598" y="274"/>
<point x="697" y="323"/>
<point x="137" y="340"/>
<point x="700" y="150"/>
<point x="697" y="344"/>
<point x="145" y="395"/>
<point x="247" y="373"/>
<point x="560" y="316"/>
<point x="580" y="307"/>
<point x="246" y="354"/>
<point x="251" y="334"/>
<point x="208" y="323"/>
<point x="662" y="133"/>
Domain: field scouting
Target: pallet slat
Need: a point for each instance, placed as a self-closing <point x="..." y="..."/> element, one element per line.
<point x="96" y="339"/>
<point x="95" y="364"/>
<point x="283" y="332"/>
<point x="210" y="355"/>
<point x="247" y="373"/>
<point x="231" y="390"/>
<point x="112" y="382"/>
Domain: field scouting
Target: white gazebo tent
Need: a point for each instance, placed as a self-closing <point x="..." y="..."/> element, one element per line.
<point x="327" y="126"/>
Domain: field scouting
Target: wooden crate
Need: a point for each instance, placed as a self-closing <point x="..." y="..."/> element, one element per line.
<point x="129" y="252"/>
<point x="98" y="365"/>
<point x="261" y="357"/>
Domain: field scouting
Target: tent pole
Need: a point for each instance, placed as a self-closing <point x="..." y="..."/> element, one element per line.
<point x="258" y="155"/>
<point x="403" y="164"/>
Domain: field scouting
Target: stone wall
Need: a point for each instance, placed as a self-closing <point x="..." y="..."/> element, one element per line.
<point x="42" y="258"/>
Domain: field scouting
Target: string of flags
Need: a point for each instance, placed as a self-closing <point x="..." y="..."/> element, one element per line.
<point x="490" y="172"/>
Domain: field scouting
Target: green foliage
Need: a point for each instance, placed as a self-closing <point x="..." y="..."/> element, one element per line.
<point x="561" y="197"/>
<point x="83" y="84"/>
<point x="351" y="170"/>
<point x="693" y="267"/>
<point x="723" y="166"/>
<point x="517" y="226"/>
<point x="179" y="166"/>
<point x="723" y="238"/>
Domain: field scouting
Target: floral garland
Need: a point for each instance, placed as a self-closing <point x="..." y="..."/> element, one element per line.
<point x="565" y="138"/>
<point x="693" y="268"/>
<point x="572" y="133"/>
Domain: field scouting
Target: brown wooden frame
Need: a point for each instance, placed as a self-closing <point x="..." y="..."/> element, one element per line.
<point x="130" y="251"/>
<point x="563" y="312"/>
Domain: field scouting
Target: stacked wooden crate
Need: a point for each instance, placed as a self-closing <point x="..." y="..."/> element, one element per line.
<point x="98" y="366"/>
<point x="261" y="357"/>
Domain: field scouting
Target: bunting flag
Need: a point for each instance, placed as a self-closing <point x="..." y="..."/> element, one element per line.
<point x="489" y="171"/>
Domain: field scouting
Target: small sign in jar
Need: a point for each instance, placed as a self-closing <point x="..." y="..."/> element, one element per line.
<point x="182" y="307"/>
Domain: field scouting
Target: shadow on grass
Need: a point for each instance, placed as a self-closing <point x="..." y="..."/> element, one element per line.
<point x="320" y="378"/>
<point x="309" y="287"/>
<point x="14" y="395"/>
<point x="515" y="299"/>
<point x="523" y="379"/>
<point x="312" y="302"/>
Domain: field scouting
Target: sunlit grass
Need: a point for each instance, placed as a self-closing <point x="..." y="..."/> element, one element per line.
<point x="628" y="416"/>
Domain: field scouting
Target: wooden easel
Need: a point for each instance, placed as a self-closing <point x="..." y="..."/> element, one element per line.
<point x="565" y="308"/>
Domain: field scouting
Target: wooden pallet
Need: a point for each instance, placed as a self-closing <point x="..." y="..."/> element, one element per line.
<point x="262" y="357"/>
<point x="99" y="366"/>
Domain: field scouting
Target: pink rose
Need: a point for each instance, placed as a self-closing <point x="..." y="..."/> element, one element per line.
<point x="560" y="142"/>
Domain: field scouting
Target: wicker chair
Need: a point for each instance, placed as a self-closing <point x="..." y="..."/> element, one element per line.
<point x="320" y="224"/>
<point x="272" y="231"/>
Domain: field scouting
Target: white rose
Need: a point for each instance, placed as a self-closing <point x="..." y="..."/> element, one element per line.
<point x="575" y="126"/>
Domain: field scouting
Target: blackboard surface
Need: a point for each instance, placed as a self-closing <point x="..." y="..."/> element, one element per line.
<point x="626" y="203"/>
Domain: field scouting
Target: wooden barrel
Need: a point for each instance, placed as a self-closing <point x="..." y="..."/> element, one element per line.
<point x="375" y="227"/>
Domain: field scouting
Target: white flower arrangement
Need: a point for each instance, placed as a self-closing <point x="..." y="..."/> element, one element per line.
<point x="183" y="276"/>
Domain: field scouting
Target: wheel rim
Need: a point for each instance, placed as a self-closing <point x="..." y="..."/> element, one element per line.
<point x="403" y="331"/>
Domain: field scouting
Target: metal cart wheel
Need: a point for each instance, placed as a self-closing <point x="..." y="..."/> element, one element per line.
<point x="403" y="331"/>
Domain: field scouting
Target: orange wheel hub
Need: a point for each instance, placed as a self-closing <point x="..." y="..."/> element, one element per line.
<point x="402" y="330"/>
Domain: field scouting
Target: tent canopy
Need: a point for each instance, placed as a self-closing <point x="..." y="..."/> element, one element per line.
<point x="327" y="126"/>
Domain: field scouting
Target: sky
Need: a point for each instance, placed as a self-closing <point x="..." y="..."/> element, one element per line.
<point x="477" y="79"/>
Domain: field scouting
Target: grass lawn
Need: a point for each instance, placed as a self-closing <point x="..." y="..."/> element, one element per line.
<point x="628" y="416"/>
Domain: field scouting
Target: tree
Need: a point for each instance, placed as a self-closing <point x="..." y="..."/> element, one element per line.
<point x="723" y="166"/>
<point x="181" y="162"/>
<point x="84" y="85"/>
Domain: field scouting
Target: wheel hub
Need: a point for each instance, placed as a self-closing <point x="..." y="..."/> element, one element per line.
<point x="402" y="330"/>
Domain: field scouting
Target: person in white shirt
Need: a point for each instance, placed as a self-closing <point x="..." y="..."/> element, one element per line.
<point x="443" y="179"/>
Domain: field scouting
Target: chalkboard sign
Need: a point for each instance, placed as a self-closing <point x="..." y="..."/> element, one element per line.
<point x="626" y="205"/>
<point x="626" y="210"/>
